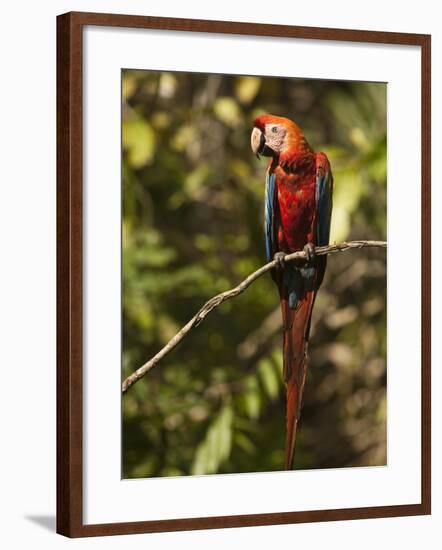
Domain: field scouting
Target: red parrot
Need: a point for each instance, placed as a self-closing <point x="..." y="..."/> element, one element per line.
<point x="298" y="205"/>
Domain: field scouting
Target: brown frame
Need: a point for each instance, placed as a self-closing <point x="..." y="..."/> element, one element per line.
<point x="70" y="266"/>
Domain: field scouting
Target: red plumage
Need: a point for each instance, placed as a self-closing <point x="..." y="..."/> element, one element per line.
<point x="296" y="202"/>
<point x="296" y="168"/>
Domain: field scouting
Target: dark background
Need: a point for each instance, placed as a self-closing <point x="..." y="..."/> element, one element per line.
<point x="193" y="226"/>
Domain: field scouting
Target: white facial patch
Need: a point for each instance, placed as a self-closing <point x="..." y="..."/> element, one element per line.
<point x="275" y="136"/>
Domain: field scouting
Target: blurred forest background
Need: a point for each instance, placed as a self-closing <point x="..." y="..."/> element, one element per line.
<point x="193" y="197"/>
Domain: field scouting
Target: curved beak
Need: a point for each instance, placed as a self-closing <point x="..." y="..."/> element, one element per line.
<point x="258" y="144"/>
<point x="257" y="141"/>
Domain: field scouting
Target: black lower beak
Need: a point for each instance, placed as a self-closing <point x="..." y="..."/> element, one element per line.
<point x="264" y="149"/>
<point x="262" y="144"/>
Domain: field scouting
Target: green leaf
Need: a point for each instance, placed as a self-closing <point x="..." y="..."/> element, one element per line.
<point x="244" y="443"/>
<point x="216" y="446"/>
<point x="347" y="193"/>
<point x="252" y="398"/>
<point x="139" y="142"/>
<point x="247" y="87"/>
<point x="227" y="110"/>
<point x="195" y="179"/>
<point x="269" y="378"/>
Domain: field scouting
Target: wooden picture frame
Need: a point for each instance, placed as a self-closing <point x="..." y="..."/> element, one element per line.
<point x="70" y="272"/>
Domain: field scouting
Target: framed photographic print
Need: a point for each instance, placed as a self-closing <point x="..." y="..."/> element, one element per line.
<point x="243" y="220"/>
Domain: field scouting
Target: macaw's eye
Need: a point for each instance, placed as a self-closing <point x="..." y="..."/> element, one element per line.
<point x="274" y="129"/>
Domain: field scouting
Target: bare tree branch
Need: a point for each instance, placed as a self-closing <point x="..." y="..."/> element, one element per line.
<point x="228" y="294"/>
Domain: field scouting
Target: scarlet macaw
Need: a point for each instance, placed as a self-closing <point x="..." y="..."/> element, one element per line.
<point x="298" y="206"/>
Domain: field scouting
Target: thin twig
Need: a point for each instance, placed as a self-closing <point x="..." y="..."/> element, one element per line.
<point x="228" y="294"/>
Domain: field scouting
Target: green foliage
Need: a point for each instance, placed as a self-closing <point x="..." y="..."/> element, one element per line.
<point x="192" y="227"/>
<point x="216" y="446"/>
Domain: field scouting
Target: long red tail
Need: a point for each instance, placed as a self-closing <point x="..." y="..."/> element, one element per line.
<point x="296" y="333"/>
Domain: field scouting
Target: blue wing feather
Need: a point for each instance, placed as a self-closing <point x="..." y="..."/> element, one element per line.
<point x="269" y="216"/>
<point x="324" y="190"/>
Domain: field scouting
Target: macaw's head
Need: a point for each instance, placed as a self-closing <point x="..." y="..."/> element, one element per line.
<point x="273" y="135"/>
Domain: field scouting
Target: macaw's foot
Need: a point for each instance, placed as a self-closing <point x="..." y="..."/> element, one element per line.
<point x="309" y="249"/>
<point x="279" y="258"/>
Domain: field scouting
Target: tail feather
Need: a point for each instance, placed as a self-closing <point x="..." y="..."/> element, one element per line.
<point x="296" y="333"/>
